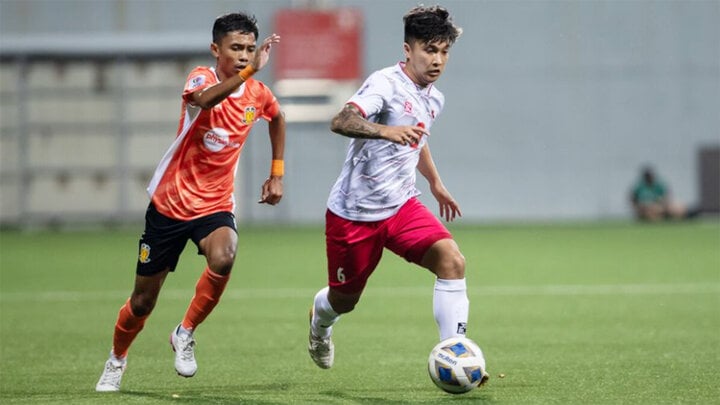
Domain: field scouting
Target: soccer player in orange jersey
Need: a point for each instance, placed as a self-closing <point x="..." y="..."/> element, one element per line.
<point x="191" y="192"/>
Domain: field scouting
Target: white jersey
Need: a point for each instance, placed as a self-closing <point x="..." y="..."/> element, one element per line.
<point x="378" y="176"/>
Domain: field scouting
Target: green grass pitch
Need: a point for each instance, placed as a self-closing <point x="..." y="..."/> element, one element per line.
<point x="568" y="314"/>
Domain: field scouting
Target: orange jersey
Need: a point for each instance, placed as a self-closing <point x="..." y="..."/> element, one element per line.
<point x="196" y="177"/>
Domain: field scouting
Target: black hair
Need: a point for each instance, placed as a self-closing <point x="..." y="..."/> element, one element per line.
<point x="430" y="24"/>
<point x="648" y="174"/>
<point x="244" y="23"/>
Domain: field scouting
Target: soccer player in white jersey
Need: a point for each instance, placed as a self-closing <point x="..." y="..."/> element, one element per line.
<point x="373" y="204"/>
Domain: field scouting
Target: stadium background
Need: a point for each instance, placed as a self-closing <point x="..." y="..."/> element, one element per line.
<point x="552" y="106"/>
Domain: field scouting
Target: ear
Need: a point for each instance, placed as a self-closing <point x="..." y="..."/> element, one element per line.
<point x="406" y="50"/>
<point x="215" y="49"/>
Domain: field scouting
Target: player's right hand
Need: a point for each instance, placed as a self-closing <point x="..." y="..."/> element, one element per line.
<point x="262" y="54"/>
<point x="271" y="191"/>
<point x="404" y="135"/>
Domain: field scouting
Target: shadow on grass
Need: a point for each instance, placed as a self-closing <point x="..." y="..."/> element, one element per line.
<point x="243" y="395"/>
<point x="279" y="394"/>
<point x="430" y="397"/>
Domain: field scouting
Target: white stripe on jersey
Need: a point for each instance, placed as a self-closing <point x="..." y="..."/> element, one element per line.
<point x="191" y="115"/>
<point x="378" y="176"/>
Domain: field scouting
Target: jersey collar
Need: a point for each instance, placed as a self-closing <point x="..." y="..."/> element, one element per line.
<point x="409" y="82"/>
<point x="237" y="93"/>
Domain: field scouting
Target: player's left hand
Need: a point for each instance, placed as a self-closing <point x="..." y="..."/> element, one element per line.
<point x="449" y="208"/>
<point x="272" y="191"/>
<point x="262" y="54"/>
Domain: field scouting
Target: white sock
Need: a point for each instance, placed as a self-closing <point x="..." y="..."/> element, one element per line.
<point x="450" y="307"/>
<point x="324" y="316"/>
<point x="182" y="331"/>
<point x="117" y="360"/>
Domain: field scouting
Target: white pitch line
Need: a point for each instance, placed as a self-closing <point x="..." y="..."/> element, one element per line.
<point x="292" y="293"/>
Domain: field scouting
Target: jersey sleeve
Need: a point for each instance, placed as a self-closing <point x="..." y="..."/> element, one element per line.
<point x="271" y="106"/>
<point x="200" y="78"/>
<point x="373" y="96"/>
<point x="661" y="190"/>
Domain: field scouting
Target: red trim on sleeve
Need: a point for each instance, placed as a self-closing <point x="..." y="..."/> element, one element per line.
<point x="364" y="114"/>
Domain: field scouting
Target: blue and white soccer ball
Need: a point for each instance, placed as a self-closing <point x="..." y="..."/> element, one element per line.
<point x="457" y="365"/>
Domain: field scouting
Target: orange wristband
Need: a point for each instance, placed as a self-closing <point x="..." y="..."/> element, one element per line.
<point x="247" y="72"/>
<point x="277" y="168"/>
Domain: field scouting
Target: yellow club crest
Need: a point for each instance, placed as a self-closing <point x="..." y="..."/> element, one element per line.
<point x="249" y="115"/>
<point x="144" y="256"/>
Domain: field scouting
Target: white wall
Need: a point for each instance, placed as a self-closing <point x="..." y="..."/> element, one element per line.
<point x="552" y="106"/>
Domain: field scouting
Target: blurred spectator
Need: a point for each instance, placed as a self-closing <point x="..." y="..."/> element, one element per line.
<point x="651" y="199"/>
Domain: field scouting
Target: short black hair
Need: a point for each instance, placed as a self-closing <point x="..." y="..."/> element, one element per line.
<point x="430" y="24"/>
<point x="231" y="22"/>
<point x="648" y="174"/>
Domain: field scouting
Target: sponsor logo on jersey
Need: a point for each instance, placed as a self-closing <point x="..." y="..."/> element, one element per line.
<point x="408" y="107"/>
<point x="144" y="256"/>
<point x="217" y="138"/>
<point x="196" y="82"/>
<point x="249" y="116"/>
<point x="414" y="145"/>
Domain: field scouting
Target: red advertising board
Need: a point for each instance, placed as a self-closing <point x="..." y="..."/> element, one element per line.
<point x="318" y="44"/>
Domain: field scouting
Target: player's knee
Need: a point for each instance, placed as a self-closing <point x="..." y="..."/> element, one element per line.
<point x="451" y="265"/>
<point x="344" y="307"/>
<point x="445" y="260"/>
<point x="457" y="264"/>
<point x="342" y="303"/>
<point x="142" y="305"/>
<point x="222" y="263"/>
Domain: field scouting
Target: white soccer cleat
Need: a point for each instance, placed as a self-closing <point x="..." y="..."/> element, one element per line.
<point x="184" y="347"/>
<point x="111" y="376"/>
<point x="484" y="379"/>
<point x="322" y="351"/>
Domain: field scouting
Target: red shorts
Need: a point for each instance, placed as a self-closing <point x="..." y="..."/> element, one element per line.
<point x="354" y="248"/>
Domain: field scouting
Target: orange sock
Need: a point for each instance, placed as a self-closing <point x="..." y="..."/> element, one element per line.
<point x="127" y="328"/>
<point x="208" y="290"/>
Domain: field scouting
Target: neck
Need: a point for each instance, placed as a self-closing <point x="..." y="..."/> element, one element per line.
<point x="220" y="74"/>
<point x="412" y="76"/>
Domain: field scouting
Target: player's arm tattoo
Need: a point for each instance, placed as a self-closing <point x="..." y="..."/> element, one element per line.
<point x="350" y="122"/>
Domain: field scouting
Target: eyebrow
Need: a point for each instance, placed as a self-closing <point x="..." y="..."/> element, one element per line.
<point x="242" y="44"/>
<point x="437" y="45"/>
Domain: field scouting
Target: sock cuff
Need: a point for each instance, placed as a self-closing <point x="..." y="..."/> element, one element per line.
<point x="450" y="285"/>
<point x="118" y="359"/>
<point x="322" y="305"/>
<point x="215" y="277"/>
<point x="128" y="307"/>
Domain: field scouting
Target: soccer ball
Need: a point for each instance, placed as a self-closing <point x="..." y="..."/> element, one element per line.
<point x="457" y="365"/>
